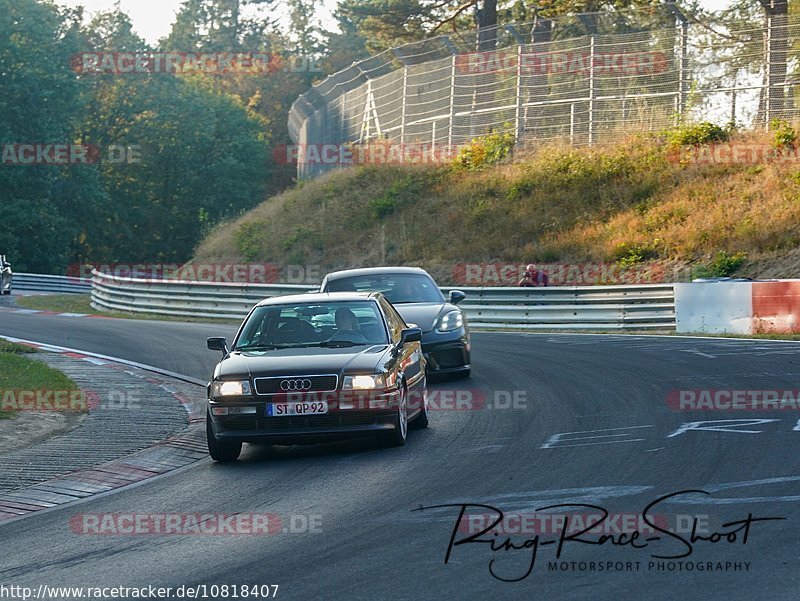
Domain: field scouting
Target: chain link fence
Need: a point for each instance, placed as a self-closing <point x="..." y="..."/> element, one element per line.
<point x="582" y="80"/>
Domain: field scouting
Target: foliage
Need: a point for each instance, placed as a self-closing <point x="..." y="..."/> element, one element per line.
<point x="486" y="150"/>
<point x="722" y="265"/>
<point x="200" y="143"/>
<point x="695" y="134"/>
<point x="404" y="190"/>
<point x="785" y="134"/>
<point x="628" y="254"/>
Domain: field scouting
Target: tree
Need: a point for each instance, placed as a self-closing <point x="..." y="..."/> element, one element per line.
<point x="46" y="208"/>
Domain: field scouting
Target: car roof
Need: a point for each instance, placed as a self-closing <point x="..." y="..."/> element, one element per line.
<point x="317" y="297"/>
<point x="347" y="273"/>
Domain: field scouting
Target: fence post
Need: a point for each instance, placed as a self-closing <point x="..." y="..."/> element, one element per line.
<point x="591" y="89"/>
<point x="572" y="123"/>
<point x="519" y="124"/>
<point x="342" y="111"/>
<point x="768" y="67"/>
<point x="684" y="66"/>
<point x="403" y="108"/>
<point x="452" y="100"/>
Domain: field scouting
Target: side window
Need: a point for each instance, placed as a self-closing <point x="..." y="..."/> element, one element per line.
<point x="396" y="324"/>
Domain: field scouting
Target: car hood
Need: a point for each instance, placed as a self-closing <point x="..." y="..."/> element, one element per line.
<point x="302" y="361"/>
<point x="425" y="315"/>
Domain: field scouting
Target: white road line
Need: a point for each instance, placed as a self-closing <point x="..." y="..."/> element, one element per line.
<point x="696" y="352"/>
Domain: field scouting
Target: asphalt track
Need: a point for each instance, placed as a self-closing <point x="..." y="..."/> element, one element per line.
<point x="372" y="545"/>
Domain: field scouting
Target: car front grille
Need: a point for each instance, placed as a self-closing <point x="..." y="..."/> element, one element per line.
<point x="277" y="424"/>
<point x="294" y="384"/>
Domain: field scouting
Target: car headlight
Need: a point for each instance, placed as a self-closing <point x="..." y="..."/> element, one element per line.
<point x="231" y="388"/>
<point x="452" y="320"/>
<point x="372" y="382"/>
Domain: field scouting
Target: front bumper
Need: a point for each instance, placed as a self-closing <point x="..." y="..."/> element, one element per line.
<point x="446" y="353"/>
<point x="337" y="424"/>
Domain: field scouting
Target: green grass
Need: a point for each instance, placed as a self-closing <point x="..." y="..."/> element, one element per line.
<point x="18" y="372"/>
<point x="62" y="303"/>
<point x="15" y="349"/>
<point x="81" y="303"/>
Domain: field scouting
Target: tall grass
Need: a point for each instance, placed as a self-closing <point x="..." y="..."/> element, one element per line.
<point x="625" y="202"/>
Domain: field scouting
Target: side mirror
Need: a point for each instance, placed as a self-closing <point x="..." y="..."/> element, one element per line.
<point x="218" y="344"/>
<point x="456" y="296"/>
<point x="410" y="335"/>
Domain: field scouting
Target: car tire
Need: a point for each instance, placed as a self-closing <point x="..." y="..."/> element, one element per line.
<point x="397" y="437"/>
<point x="7" y="292"/>
<point x="422" y="420"/>
<point x="223" y="451"/>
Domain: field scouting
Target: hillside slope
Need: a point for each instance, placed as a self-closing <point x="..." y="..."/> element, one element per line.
<point x="629" y="203"/>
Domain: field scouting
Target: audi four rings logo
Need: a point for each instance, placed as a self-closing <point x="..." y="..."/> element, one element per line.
<point x="287" y="385"/>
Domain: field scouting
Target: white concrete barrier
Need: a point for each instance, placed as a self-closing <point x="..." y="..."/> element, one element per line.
<point x="714" y="307"/>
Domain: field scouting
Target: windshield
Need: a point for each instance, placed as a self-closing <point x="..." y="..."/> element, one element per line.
<point x="334" y="324"/>
<point x="399" y="288"/>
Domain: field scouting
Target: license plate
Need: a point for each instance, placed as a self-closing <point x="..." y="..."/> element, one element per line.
<point x="309" y="408"/>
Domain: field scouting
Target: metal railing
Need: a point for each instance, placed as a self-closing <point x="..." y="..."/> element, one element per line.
<point x="639" y="307"/>
<point x="51" y="283"/>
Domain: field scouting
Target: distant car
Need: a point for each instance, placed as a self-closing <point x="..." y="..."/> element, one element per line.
<point x="6" y="276"/>
<point x="313" y="368"/>
<point x="413" y="292"/>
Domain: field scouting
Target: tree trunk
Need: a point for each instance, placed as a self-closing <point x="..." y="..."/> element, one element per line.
<point x="486" y="18"/>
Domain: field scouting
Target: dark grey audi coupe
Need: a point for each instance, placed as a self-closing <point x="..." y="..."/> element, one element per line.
<point x="313" y="368"/>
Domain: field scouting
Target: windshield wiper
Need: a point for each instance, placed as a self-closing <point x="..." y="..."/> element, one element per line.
<point x="258" y="347"/>
<point x="340" y="343"/>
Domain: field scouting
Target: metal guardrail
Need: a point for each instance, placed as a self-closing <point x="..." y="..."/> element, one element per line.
<point x="51" y="283"/>
<point x="641" y="307"/>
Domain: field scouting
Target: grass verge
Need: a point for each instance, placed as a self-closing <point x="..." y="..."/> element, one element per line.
<point x="18" y="372"/>
<point x="639" y="200"/>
